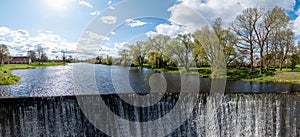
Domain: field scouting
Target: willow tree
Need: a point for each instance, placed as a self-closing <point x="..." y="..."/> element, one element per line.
<point x="4" y="53"/>
<point x="158" y="44"/>
<point x="182" y="48"/>
<point x="124" y="53"/>
<point x="138" y="51"/>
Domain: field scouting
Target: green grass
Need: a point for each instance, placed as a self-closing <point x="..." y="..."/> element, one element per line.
<point x="243" y="74"/>
<point x="7" y="78"/>
<point x="29" y="66"/>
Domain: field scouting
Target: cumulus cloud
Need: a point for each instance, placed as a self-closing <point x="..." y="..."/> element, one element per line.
<point x="85" y="3"/>
<point x="135" y="23"/>
<point x="168" y="29"/>
<point x="297" y="26"/>
<point x="197" y="13"/>
<point x="95" y="37"/>
<point x="20" y="41"/>
<point x="109" y="19"/>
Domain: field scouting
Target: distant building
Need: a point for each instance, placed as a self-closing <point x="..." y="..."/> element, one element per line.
<point x="20" y="60"/>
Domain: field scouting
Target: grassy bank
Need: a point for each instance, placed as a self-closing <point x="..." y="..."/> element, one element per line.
<point x="7" y="78"/>
<point x="284" y="75"/>
<point x="32" y="65"/>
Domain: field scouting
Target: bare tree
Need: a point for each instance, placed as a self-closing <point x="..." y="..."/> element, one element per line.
<point x="244" y="27"/>
<point x="287" y="42"/>
<point x="39" y="54"/>
<point x="4" y="53"/>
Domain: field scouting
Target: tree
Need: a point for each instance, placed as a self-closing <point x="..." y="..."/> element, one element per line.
<point x="287" y="41"/>
<point x="4" y="53"/>
<point x="275" y="21"/>
<point x="138" y="51"/>
<point x="153" y="58"/>
<point x="243" y="26"/>
<point x="295" y="59"/>
<point x="199" y="53"/>
<point x="209" y="42"/>
<point x="44" y="57"/>
<point x="213" y="48"/>
<point x="124" y="57"/>
<point x="63" y="57"/>
<point x="158" y="43"/>
<point x="32" y="55"/>
<point x="109" y="60"/>
<point x="227" y="40"/>
<point x="182" y="47"/>
<point x="40" y="53"/>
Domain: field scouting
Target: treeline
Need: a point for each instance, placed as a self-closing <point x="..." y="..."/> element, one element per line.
<point x="39" y="55"/>
<point x="256" y="38"/>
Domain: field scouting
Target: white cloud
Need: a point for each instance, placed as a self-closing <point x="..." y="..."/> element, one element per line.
<point x="85" y="3"/>
<point x="170" y="30"/>
<point x="20" y="41"/>
<point x="135" y="23"/>
<point x="4" y="31"/>
<point x="95" y="37"/>
<point x="113" y="33"/>
<point x="109" y="19"/>
<point x="296" y="27"/>
<point x="95" y="13"/>
<point x="197" y="13"/>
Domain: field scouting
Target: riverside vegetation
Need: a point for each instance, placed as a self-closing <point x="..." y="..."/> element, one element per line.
<point x="258" y="46"/>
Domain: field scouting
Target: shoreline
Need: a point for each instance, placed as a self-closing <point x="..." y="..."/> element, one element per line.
<point x="6" y="78"/>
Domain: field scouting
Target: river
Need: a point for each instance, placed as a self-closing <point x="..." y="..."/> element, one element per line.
<point x="71" y="101"/>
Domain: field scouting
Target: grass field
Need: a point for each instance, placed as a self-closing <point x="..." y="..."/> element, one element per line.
<point x="284" y="75"/>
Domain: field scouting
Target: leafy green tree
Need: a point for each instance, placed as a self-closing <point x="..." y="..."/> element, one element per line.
<point x="158" y="44"/>
<point x="153" y="58"/>
<point x="182" y="48"/>
<point x="124" y="57"/>
<point x="227" y="40"/>
<point x="138" y="51"/>
<point x="295" y="59"/>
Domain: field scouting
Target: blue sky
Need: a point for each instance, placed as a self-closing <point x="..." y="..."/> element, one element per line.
<point x="85" y="26"/>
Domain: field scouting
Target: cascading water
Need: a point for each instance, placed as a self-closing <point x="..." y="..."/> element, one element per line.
<point x="265" y="114"/>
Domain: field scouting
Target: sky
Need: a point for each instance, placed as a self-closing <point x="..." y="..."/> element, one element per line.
<point x="88" y="28"/>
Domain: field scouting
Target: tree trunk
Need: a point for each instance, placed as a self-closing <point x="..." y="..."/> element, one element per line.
<point x="281" y="64"/>
<point x="261" y="61"/>
<point x="251" y="60"/>
<point x="267" y="61"/>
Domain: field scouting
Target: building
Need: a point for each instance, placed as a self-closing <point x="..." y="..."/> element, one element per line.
<point x="20" y="60"/>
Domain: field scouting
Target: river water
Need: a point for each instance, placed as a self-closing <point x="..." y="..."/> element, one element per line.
<point x="71" y="101"/>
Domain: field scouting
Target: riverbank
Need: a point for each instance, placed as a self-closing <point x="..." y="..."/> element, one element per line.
<point x="6" y="78"/>
<point x="283" y="76"/>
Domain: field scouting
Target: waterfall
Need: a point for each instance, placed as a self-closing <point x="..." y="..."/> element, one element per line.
<point x="234" y="115"/>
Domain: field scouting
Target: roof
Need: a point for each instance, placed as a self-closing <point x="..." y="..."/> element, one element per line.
<point x="20" y="58"/>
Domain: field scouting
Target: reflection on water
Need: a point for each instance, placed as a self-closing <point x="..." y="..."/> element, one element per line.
<point x="59" y="80"/>
<point x="237" y="115"/>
